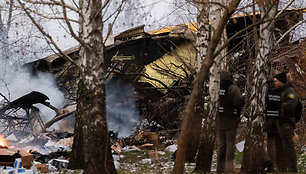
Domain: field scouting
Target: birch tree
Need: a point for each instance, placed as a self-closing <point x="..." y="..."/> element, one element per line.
<point x="206" y="148"/>
<point x="252" y="162"/>
<point x="91" y="150"/>
<point x="202" y="38"/>
<point x="4" y="31"/>
<point x="91" y="125"/>
<point x="202" y="76"/>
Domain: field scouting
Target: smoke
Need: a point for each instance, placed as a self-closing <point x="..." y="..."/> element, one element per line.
<point x="121" y="110"/>
<point x="122" y="114"/>
<point x="16" y="82"/>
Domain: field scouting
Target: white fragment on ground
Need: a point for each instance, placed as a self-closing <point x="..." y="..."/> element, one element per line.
<point x="171" y="148"/>
<point x="146" y="160"/>
<point x="117" y="157"/>
<point x="67" y="142"/>
<point x="27" y="139"/>
<point x="43" y="151"/>
<point x="117" y="164"/>
<point x="240" y="146"/>
<point x="161" y="152"/>
<point x="129" y="149"/>
<point x="11" y="137"/>
<point x="54" y="146"/>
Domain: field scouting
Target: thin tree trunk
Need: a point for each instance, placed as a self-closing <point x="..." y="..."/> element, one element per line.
<point x="190" y="110"/>
<point x="252" y="162"/>
<point x="203" y="33"/>
<point x="91" y="148"/>
<point x="4" y="38"/>
<point x="204" y="157"/>
<point x="201" y="46"/>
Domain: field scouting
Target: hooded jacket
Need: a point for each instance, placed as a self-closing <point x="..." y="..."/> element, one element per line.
<point x="231" y="102"/>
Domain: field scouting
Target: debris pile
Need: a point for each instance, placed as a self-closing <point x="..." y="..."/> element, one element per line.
<point x="40" y="153"/>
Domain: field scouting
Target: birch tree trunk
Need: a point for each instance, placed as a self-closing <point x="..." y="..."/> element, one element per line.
<point x="202" y="39"/>
<point x="205" y="154"/>
<point x="203" y="33"/>
<point x="198" y="87"/>
<point x="4" y="39"/>
<point x="252" y="162"/>
<point x="91" y="149"/>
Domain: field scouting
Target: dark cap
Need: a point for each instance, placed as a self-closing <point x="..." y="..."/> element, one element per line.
<point x="282" y="77"/>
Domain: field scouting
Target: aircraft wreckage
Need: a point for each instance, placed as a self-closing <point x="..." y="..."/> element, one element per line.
<point x="22" y="115"/>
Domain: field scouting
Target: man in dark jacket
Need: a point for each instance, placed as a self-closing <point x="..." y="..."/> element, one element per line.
<point x="231" y="102"/>
<point x="271" y="124"/>
<point x="284" y="145"/>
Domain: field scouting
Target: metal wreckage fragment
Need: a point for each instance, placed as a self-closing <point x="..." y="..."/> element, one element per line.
<point x="21" y="115"/>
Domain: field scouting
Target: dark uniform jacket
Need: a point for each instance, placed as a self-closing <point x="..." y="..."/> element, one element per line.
<point x="281" y="106"/>
<point x="231" y="102"/>
<point x="273" y="111"/>
<point x="289" y="100"/>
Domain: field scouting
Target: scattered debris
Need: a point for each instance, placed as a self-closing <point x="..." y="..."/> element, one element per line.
<point x="171" y="148"/>
<point x="43" y="168"/>
<point x="153" y="154"/>
<point x="61" y="114"/>
<point x="8" y="156"/>
<point x="11" y="137"/>
<point x="116" y="147"/>
<point x="27" y="101"/>
<point x="147" y="137"/>
<point x="59" y="163"/>
<point x="21" y="115"/>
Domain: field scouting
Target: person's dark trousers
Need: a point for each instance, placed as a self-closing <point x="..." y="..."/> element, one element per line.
<point x="226" y="150"/>
<point x="271" y="147"/>
<point x="285" y="152"/>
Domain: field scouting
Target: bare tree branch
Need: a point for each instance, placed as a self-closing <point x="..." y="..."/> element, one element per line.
<point x="117" y="12"/>
<point x="70" y="28"/>
<point x="53" y="3"/>
<point x="63" y="113"/>
<point x="288" y="31"/>
<point x="102" y="7"/>
<point x="279" y="13"/>
<point x="52" y="18"/>
<point x="4" y="97"/>
<point x="10" y="15"/>
<point x="241" y="31"/>
<point x="48" y="36"/>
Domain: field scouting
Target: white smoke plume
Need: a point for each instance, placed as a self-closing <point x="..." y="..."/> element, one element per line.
<point x="16" y="82"/>
<point x="121" y="110"/>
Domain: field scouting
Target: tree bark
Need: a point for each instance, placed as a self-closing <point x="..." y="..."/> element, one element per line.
<point x="204" y="157"/>
<point x="4" y="38"/>
<point x="202" y="39"/>
<point x="203" y="33"/>
<point x="202" y="76"/>
<point x="91" y="148"/>
<point x="252" y="162"/>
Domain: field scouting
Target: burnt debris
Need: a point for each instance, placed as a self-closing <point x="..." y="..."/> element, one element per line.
<point x="27" y="101"/>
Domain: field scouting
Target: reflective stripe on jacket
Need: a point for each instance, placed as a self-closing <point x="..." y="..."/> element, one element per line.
<point x="273" y="103"/>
